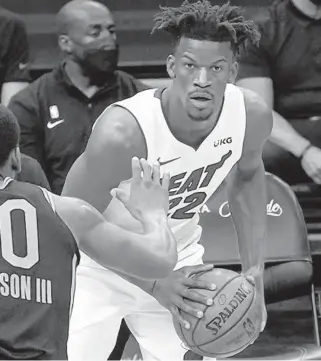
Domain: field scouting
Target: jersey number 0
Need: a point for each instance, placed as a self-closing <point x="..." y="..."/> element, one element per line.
<point x="6" y="237"/>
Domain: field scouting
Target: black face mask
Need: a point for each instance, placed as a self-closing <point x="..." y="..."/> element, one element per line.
<point x="101" y="60"/>
<point x="98" y="62"/>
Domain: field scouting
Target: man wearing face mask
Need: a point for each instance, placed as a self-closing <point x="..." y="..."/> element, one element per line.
<point x="286" y="71"/>
<point x="56" y="112"/>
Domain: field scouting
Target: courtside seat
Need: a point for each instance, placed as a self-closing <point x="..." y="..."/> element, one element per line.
<point x="289" y="268"/>
<point x="287" y="233"/>
<point x="288" y="261"/>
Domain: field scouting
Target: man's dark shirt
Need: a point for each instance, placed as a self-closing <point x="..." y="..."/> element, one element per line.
<point x="56" y="119"/>
<point x="14" y="52"/>
<point x="289" y="54"/>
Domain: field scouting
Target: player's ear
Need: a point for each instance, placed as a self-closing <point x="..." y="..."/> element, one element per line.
<point x="233" y="72"/>
<point x="170" y="65"/>
<point x="16" y="159"/>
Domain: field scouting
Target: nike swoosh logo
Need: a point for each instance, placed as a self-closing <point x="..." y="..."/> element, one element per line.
<point x="51" y="125"/>
<point x="167" y="161"/>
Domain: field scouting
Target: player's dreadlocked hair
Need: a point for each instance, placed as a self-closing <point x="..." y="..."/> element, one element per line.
<point x="203" y="21"/>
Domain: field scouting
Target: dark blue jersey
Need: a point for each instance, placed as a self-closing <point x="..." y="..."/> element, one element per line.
<point x="38" y="258"/>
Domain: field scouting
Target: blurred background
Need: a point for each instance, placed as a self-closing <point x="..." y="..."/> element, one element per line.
<point x="134" y="20"/>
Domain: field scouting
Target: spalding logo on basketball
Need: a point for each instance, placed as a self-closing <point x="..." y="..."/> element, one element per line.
<point x="230" y="324"/>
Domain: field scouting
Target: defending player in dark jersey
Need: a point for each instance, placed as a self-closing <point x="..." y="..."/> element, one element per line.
<point x="39" y="238"/>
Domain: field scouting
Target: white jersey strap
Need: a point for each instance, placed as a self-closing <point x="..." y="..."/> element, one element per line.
<point x="49" y="198"/>
<point x="6" y="182"/>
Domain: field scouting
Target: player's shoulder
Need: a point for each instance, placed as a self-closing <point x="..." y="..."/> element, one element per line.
<point x="26" y="190"/>
<point x="259" y="119"/>
<point x="116" y="129"/>
<point x="23" y="187"/>
<point x="116" y="123"/>
<point x="117" y="120"/>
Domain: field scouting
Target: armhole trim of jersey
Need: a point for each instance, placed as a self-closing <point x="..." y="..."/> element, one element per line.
<point x="245" y="121"/>
<point x="48" y="198"/>
<point x="6" y="182"/>
<point x="73" y="281"/>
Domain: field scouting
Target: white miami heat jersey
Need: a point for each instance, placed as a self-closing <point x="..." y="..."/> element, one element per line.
<point x="195" y="174"/>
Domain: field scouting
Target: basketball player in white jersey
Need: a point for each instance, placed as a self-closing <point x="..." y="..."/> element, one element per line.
<point x="204" y="131"/>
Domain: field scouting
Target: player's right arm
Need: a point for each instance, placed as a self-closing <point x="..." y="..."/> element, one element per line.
<point x="106" y="161"/>
<point x="150" y="255"/>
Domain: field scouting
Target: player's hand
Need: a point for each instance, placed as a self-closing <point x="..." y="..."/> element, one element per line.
<point x="172" y="291"/>
<point x="257" y="282"/>
<point x="148" y="195"/>
<point x="311" y="164"/>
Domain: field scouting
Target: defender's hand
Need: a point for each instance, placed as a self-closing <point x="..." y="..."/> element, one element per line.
<point x="172" y="291"/>
<point x="148" y="194"/>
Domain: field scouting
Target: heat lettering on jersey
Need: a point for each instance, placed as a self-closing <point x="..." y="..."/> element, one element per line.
<point x="25" y="288"/>
<point x="182" y="206"/>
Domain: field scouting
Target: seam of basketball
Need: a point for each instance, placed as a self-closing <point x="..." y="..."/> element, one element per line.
<point x="206" y="343"/>
<point x="240" y="349"/>
<point x="206" y="307"/>
<point x="224" y="353"/>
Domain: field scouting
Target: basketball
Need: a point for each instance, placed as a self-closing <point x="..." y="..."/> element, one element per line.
<point x="230" y="324"/>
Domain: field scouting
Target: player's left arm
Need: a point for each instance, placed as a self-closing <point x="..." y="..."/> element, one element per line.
<point x="247" y="190"/>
